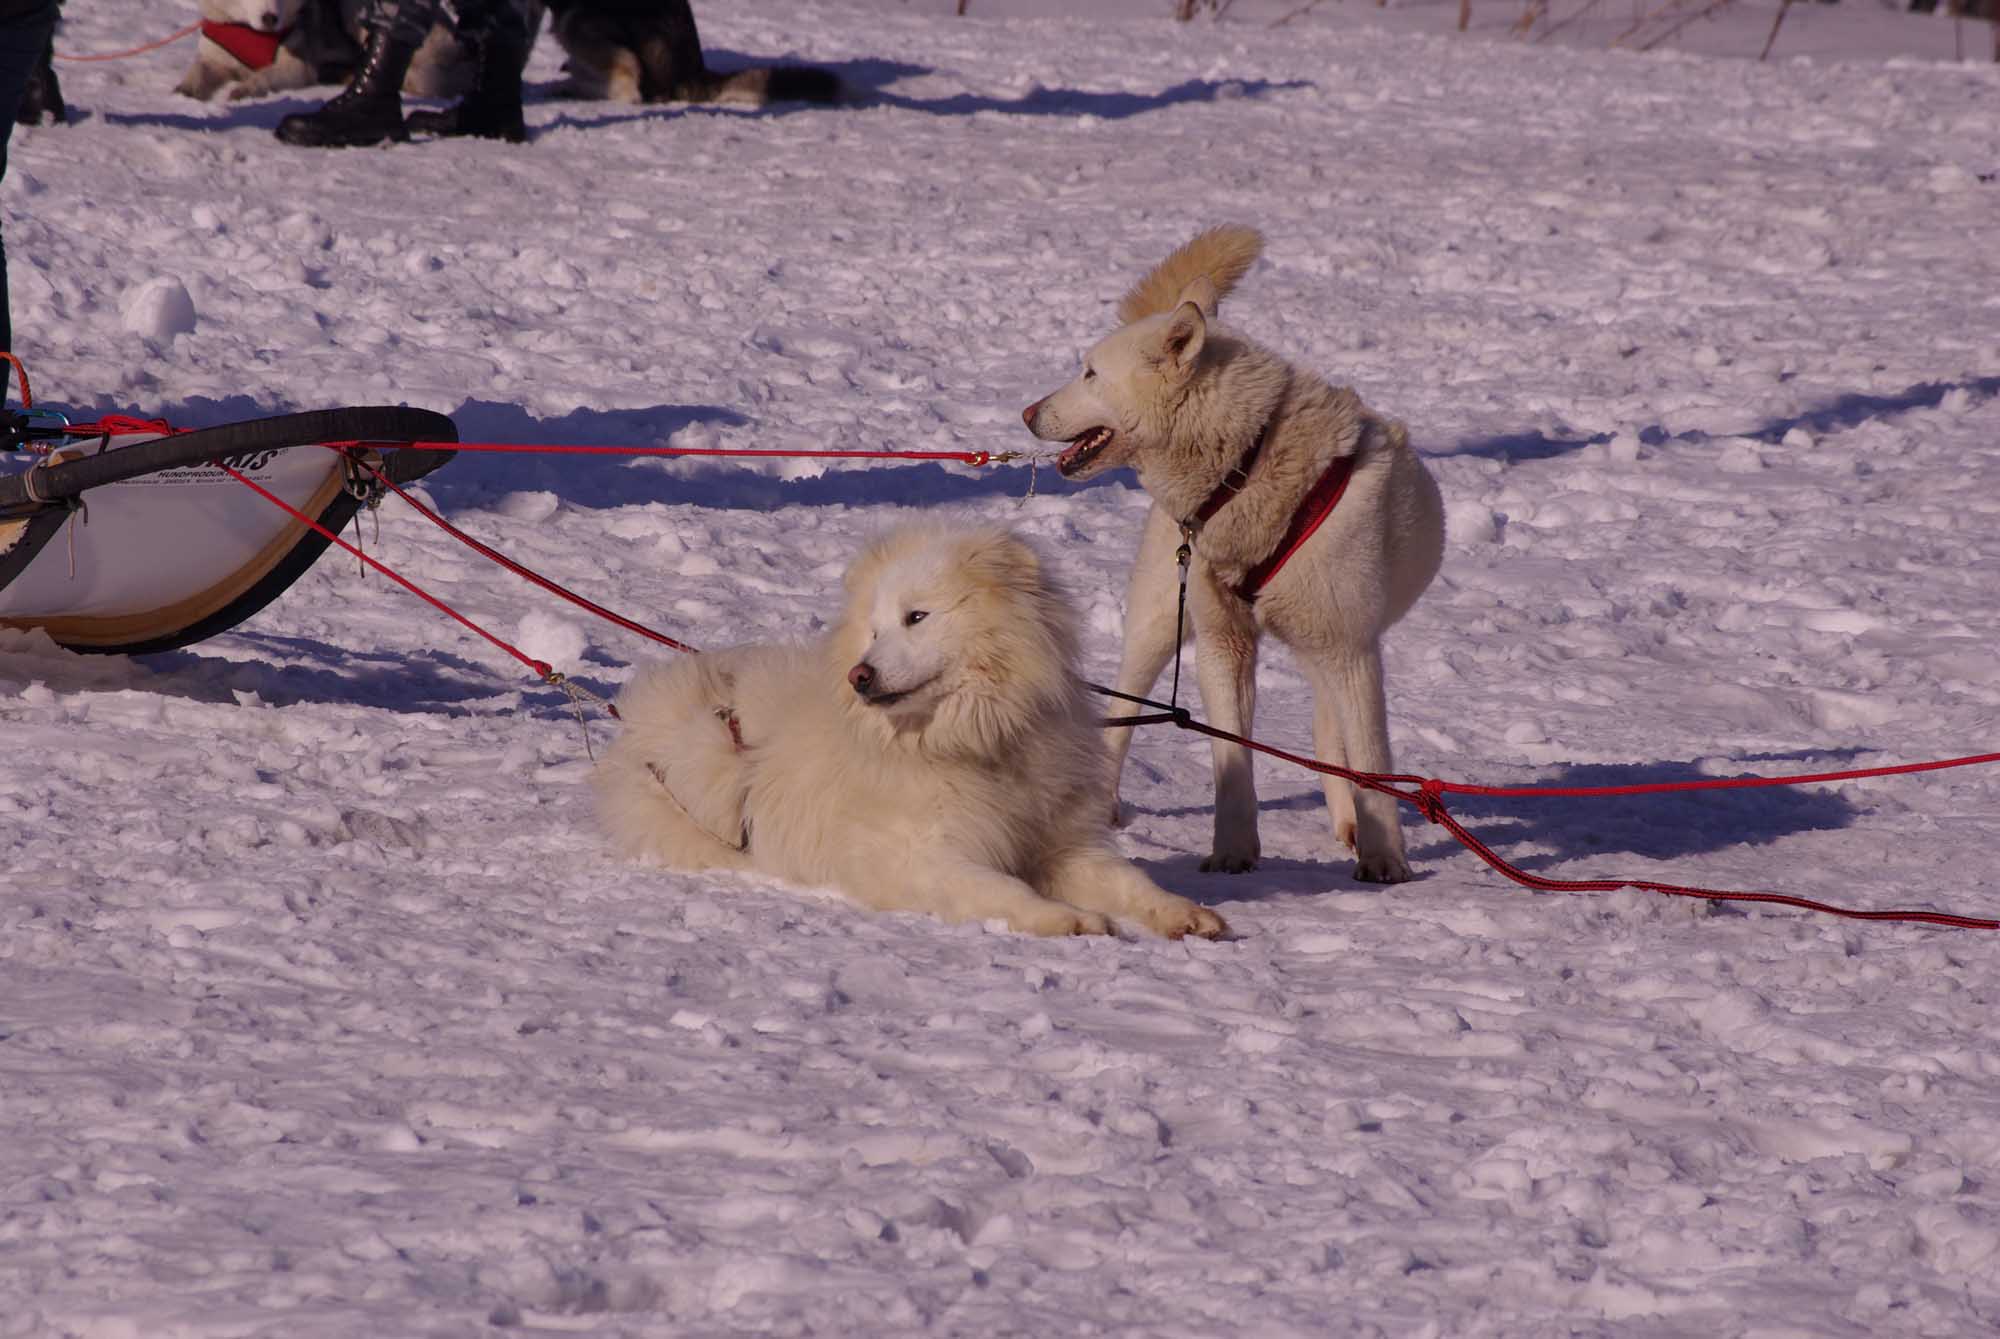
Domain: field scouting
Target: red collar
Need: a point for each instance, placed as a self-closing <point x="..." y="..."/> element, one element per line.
<point x="1312" y="511"/>
<point x="1232" y="484"/>
<point x="253" y="46"/>
<point x="1314" y="508"/>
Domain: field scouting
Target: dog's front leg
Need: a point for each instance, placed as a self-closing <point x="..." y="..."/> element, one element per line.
<point x="964" y="891"/>
<point x="1351" y="728"/>
<point x="1102" y="880"/>
<point x="1149" y="632"/>
<point x="286" y="71"/>
<point x="206" y="77"/>
<point x="1225" y="662"/>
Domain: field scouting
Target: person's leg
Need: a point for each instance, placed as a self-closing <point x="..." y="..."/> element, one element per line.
<point x="22" y="44"/>
<point x="42" y="103"/>
<point x="496" y="37"/>
<point x="370" y="109"/>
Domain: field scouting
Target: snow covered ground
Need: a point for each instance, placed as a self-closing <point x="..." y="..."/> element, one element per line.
<point x="323" y="1013"/>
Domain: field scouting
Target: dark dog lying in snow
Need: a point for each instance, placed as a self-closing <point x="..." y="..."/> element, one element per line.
<point x="649" y="51"/>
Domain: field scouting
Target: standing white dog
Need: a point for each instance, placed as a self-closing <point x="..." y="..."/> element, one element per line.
<point x="934" y="752"/>
<point x="1308" y="515"/>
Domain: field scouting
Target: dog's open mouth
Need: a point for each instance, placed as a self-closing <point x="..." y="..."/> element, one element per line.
<point x="1083" y="449"/>
<point x="891" y="699"/>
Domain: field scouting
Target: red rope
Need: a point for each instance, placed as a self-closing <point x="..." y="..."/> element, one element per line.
<point x="1427" y="795"/>
<point x="124" y="423"/>
<point x="120" y="425"/>
<point x="487" y="551"/>
<point x="549" y="448"/>
<point x="1432" y="807"/>
<point x="541" y="668"/>
<point x="1717" y="783"/>
<point x="168" y="40"/>
<point x="20" y="371"/>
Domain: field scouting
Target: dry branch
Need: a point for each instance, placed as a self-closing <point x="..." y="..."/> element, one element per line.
<point x="1306" y="8"/>
<point x="1565" y="21"/>
<point x="1702" y="13"/>
<point x="1776" y="23"/>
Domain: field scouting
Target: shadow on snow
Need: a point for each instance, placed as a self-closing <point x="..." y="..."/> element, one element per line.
<point x="475" y="480"/>
<point x="1843" y="411"/>
<point x="1538" y="834"/>
<point x="868" y="82"/>
<point x="292" y="670"/>
<point x="1549" y="831"/>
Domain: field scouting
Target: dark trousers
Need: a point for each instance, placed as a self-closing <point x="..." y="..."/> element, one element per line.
<point x="411" y="20"/>
<point x="22" y="42"/>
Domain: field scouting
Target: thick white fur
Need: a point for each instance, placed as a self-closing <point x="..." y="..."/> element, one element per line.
<point x="322" y="44"/>
<point x="1182" y="399"/>
<point x="298" y="61"/>
<point x="967" y="783"/>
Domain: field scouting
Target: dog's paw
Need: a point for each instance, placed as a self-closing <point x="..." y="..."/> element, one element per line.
<point x="258" y="84"/>
<point x="1383" y="869"/>
<point x="1232" y="859"/>
<point x="1181" y="918"/>
<point x="197" y="84"/>
<point x="1056" y="919"/>
<point x="1348" y="833"/>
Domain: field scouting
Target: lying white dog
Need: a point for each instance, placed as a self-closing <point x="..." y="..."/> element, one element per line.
<point x="1307" y="513"/>
<point x="933" y="752"/>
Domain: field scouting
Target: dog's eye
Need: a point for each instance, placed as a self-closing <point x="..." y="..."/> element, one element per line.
<point x="915" y="616"/>
<point x="1089" y="373"/>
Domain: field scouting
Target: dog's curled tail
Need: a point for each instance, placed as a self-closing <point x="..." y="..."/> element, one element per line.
<point x="765" y="84"/>
<point x="1221" y="255"/>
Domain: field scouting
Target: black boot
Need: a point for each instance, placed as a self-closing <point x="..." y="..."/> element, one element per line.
<point x="370" y="109"/>
<point x="42" y="100"/>
<point x="491" y="108"/>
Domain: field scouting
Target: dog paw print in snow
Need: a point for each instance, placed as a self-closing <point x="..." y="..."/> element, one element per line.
<point x="159" y="309"/>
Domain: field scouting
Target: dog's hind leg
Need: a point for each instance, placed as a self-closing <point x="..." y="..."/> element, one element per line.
<point x="1103" y="880"/>
<point x="1150" y="598"/>
<point x="1225" y="663"/>
<point x="1351" y="729"/>
<point x="1331" y="747"/>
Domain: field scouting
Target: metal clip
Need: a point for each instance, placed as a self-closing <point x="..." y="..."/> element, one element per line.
<point x="578" y="695"/>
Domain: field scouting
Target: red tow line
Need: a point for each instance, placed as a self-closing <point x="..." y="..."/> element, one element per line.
<point x="140" y="50"/>
<point x="1426" y="795"/>
<point x="976" y="458"/>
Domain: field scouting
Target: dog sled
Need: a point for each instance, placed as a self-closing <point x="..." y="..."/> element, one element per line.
<point x="124" y="536"/>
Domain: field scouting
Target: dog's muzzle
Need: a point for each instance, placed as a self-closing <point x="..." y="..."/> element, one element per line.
<point x="1083" y="448"/>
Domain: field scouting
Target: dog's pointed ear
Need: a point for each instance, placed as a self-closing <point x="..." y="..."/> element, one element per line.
<point x="1202" y="293"/>
<point x="1001" y="556"/>
<point x="1186" y="332"/>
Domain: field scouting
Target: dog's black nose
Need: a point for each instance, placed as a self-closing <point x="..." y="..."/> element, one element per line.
<point x="1028" y="414"/>
<point x="862" y="676"/>
<point x="269" y="21"/>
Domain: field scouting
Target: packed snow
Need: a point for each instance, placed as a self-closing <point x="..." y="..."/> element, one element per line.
<point x="324" y="1013"/>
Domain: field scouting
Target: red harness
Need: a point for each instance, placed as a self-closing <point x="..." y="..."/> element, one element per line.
<point x="1311" y="513"/>
<point x="253" y="46"/>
